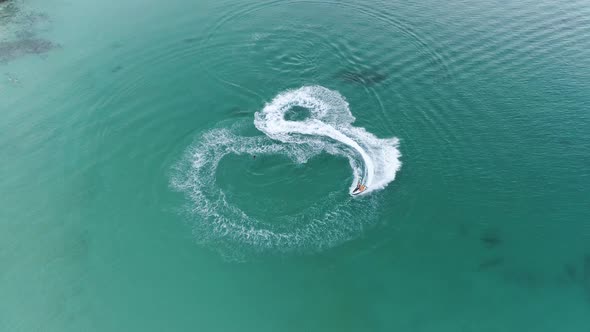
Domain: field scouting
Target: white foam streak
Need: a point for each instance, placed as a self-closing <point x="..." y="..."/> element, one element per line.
<point x="330" y="117"/>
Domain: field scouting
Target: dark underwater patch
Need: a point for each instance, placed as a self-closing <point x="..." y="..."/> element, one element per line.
<point x="117" y="45"/>
<point x="14" y="49"/>
<point x="570" y="272"/>
<point x="116" y="69"/>
<point x="12" y="14"/>
<point x="20" y="32"/>
<point x="8" y="11"/>
<point x="491" y="239"/>
<point x="190" y="40"/>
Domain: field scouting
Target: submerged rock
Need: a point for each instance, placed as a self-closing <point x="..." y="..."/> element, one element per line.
<point x="11" y="13"/>
<point x="11" y="78"/>
<point x="19" y="30"/>
<point x="10" y="50"/>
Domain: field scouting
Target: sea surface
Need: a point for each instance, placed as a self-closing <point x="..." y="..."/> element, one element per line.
<point x="189" y="165"/>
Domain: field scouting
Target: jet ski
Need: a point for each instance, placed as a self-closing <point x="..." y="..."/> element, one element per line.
<point x="360" y="188"/>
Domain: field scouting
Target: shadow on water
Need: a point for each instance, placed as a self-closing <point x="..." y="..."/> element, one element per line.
<point x="19" y="31"/>
<point x="363" y="77"/>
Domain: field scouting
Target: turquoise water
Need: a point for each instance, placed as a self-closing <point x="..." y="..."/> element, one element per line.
<point x="130" y="198"/>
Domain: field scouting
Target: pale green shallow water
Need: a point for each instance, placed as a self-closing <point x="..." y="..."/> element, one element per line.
<point x="486" y="226"/>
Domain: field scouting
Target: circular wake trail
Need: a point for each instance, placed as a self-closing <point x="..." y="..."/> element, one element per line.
<point x="330" y="117"/>
<point x="221" y="223"/>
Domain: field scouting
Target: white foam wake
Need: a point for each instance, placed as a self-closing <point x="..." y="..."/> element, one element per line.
<point x="219" y="222"/>
<point x="330" y="117"/>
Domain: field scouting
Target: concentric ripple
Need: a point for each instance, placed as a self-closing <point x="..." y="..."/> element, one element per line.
<point x="328" y="129"/>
